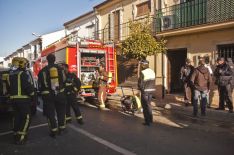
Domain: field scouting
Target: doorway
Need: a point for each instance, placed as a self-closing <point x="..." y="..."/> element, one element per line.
<point x="176" y="59"/>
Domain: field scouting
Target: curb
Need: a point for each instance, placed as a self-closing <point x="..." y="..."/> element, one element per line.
<point x="175" y="108"/>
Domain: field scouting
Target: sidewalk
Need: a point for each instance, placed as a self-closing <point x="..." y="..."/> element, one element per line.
<point x="171" y="103"/>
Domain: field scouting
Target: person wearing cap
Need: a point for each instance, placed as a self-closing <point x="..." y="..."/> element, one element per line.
<point x="146" y="84"/>
<point x="185" y="75"/>
<point x="103" y="78"/>
<point x="51" y="81"/>
<point x="223" y="74"/>
<point x="21" y="94"/>
<point x="200" y="81"/>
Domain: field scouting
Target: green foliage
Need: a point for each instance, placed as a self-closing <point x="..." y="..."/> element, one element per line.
<point x="141" y="42"/>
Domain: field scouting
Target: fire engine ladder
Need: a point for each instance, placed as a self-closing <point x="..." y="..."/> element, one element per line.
<point x="111" y="62"/>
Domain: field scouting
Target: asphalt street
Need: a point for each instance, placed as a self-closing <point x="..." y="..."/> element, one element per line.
<point x="111" y="132"/>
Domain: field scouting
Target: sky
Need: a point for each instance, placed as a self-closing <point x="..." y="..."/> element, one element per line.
<point x="20" y="18"/>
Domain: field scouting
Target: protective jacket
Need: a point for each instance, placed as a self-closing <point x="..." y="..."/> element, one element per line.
<point x="20" y="85"/>
<point x="146" y="81"/>
<point x="72" y="84"/>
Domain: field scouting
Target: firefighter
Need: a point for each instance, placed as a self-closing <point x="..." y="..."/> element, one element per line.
<point x="103" y="78"/>
<point x="51" y="86"/>
<point x="146" y="84"/>
<point x="21" y="94"/>
<point x="72" y="87"/>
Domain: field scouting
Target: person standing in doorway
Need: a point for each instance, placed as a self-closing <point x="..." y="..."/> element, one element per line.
<point x="185" y="75"/>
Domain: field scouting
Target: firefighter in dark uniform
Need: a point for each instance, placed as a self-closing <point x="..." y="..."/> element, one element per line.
<point x="223" y="74"/>
<point x="51" y="86"/>
<point x="72" y="87"/>
<point x="103" y="78"/>
<point x="21" y="94"/>
<point x="146" y="85"/>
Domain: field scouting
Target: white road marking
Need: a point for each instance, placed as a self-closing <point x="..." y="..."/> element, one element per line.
<point x="32" y="127"/>
<point x="102" y="141"/>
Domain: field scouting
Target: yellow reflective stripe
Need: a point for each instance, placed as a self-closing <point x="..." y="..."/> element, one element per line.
<point x="54" y="129"/>
<point x="75" y="89"/>
<point x="68" y="118"/>
<point x="19" y="96"/>
<point x="79" y="117"/>
<point x="44" y="79"/>
<point x="68" y="84"/>
<point x="45" y="92"/>
<point x="62" y="127"/>
<point x="21" y="133"/>
<point x="25" y="127"/>
<point x="19" y="83"/>
<point x="102" y="106"/>
<point x="61" y="90"/>
<point x="89" y="86"/>
<point x="32" y="94"/>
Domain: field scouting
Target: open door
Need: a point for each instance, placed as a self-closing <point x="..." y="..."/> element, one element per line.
<point x="176" y="59"/>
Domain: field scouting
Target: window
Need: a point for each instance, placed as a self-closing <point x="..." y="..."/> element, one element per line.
<point x="226" y="51"/>
<point x="143" y="8"/>
<point x="91" y="30"/>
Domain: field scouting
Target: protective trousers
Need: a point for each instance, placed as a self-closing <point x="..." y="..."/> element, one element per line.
<point x="147" y="108"/>
<point x="102" y="96"/>
<point x="225" y="95"/>
<point x="71" y="102"/>
<point x="21" y="119"/>
<point x="55" y="103"/>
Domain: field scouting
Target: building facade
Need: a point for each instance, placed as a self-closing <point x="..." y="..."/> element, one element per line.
<point x="83" y="26"/>
<point x="32" y="50"/>
<point x="192" y="28"/>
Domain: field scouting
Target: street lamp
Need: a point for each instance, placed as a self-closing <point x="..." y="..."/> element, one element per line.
<point x="36" y="35"/>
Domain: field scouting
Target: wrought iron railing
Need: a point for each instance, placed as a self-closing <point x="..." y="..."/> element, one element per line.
<point x="119" y="32"/>
<point x="192" y="13"/>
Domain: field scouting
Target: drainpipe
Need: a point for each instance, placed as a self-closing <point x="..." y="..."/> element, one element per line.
<point x="163" y="77"/>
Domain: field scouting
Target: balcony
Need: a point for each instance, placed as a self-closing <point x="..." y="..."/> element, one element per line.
<point x="118" y="33"/>
<point x="193" y="13"/>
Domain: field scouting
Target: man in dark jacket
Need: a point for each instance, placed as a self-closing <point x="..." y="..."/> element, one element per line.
<point x="224" y="75"/>
<point x="146" y="84"/>
<point x="72" y="87"/>
<point x="51" y="86"/>
<point x="185" y="75"/>
<point x="21" y="94"/>
<point x="201" y="81"/>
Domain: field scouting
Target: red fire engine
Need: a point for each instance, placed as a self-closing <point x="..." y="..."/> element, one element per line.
<point x="83" y="58"/>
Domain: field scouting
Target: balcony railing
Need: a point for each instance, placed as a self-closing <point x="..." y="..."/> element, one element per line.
<point x="193" y="13"/>
<point x="119" y="32"/>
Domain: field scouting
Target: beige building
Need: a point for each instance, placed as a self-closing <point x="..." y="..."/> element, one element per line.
<point x="114" y="17"/>
<point x="192" y="28"/>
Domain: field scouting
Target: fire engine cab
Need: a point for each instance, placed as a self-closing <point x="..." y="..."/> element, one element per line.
<point x="83" y="58"/>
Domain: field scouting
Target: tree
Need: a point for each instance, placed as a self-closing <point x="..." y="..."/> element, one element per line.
<point x="140" y="42"/>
